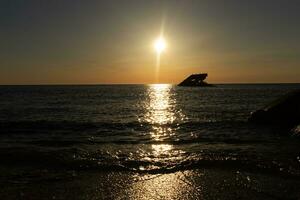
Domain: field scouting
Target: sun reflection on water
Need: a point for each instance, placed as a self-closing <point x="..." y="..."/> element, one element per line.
<point x="161" y="113"/>
<point x="159" y="107"/>
<point x="162" y="186"/>
<point x="160" y="149"/>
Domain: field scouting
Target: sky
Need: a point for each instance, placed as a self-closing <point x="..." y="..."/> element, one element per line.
<point x="111" y="41"/>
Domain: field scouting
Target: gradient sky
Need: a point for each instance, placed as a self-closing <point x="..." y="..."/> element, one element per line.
<point x="88" y="42"/>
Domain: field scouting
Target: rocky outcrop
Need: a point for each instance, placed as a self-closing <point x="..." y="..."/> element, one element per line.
<point x="284" y="112"/>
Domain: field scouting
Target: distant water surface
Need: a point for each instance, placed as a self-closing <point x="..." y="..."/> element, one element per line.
<point x="144" y="128"/>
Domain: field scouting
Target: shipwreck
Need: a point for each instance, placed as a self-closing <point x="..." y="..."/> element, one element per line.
<point x="195" y="80"/>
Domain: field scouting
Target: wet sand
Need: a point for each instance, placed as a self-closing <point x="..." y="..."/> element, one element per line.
<point x="188" y="184"/>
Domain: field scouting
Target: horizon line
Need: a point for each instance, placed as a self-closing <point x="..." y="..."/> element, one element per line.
<point x="94" y="84"/>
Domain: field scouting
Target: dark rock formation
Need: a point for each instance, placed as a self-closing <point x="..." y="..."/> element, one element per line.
<point x="195" y="80"/>
<point x="284" y="112"/>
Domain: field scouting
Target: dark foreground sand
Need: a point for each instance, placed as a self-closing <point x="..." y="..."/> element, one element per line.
<point x="189" y="184"/>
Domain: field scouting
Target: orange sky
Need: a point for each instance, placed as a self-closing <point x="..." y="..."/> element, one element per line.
<point x="103" y="42"/>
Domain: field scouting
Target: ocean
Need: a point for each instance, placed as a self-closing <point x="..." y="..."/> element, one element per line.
<point x="61" y="132"/>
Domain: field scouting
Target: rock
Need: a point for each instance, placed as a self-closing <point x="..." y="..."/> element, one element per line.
<point x="284" y="112"/>
<point x="296" y="130"/>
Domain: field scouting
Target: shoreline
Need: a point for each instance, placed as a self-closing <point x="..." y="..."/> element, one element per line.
<point x="187" y="184"/>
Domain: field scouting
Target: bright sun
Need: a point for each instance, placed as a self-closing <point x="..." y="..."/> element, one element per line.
<point x="160" y="45"/>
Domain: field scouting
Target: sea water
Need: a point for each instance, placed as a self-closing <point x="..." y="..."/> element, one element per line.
<point x="144" y="128"/>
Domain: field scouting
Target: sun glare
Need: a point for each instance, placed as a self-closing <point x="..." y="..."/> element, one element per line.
<point x="160" y="45"/>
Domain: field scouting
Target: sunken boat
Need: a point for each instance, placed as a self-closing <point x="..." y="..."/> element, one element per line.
<point x="195" y="80"/>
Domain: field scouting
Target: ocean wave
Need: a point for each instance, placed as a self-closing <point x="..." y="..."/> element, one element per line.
<point x="103" y="161"/>
<point x="68" y="133"/>
<point x="7" y="126"/>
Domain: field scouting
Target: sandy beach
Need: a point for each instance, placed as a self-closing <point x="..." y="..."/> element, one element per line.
<point x="188" y="184"/>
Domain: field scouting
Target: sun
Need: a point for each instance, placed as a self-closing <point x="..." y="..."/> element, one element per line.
<point x="160" y="45"/>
